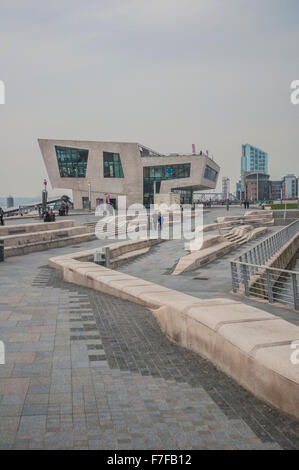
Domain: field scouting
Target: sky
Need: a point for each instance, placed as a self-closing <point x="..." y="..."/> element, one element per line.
<point x="164" y="73"/>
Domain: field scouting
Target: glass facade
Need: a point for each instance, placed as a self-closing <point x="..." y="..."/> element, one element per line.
<point x="155" y="174"/>
<point x="253" y="159"/>
<point x="72" y="162"/>
<point x="112" y="165"/>
<point x="210" y="173"/>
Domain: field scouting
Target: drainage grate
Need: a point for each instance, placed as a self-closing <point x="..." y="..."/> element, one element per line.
<point x="201" y="278"/>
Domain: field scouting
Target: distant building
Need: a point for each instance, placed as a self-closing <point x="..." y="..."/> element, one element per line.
<point x="238" y="190"/>
<point x="289" y="187"/>
<point x="275" y="190"/>
<point x="257" y="186"/>
<point x="225" y="186"/>
<point x="9" y="202"/>
<point x="253" y="159"/>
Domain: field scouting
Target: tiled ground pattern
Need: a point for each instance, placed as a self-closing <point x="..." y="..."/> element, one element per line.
<point x="88" y="371"/>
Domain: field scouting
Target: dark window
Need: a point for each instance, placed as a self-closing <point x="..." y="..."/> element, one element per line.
<point x="112" y="165"/>
<point x="210" y="173"/>
<point x="72" y="162"/>
<point x="159" y="173"/>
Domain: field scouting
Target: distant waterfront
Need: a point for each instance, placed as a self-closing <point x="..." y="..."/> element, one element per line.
<point x="19" y="201"/>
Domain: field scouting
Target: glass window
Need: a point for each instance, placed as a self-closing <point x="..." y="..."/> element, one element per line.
<point x="112" y="165"/>
<point x="210" y="173"/>
<point x="159" y="173"/>
<point x="72" y="162"/>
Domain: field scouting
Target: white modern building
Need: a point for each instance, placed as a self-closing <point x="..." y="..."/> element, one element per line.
<point x="225" y="186"/>
<point x="99" y="169"/>
<point x="289" y="186"/>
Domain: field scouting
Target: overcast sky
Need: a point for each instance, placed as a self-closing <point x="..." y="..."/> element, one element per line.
<point x="165" y="73"/>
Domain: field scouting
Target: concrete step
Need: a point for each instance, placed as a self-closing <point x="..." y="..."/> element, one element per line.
<point x="128" y="257"/>
<point x="20" y="229"/>
<point x="47" y="244"/>
<point x="44" y="236"/>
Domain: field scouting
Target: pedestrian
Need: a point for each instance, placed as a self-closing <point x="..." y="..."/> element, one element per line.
<point x="51" y="215"/>
<point x="1" y="216"/>
<point x="67" y="208"/>
<point x="47" y="217"/>
<point x="160" y="220"/>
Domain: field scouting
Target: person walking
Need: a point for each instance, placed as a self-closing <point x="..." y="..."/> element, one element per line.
<point x="67" y="208"/>
<point x="1" y="216"/>
<point x="160" y="220"/>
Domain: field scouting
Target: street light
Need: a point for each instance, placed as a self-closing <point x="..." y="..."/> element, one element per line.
<point x="227" y="193"/>
<point x="89" y="196"/>
<point x="44" y="198"/>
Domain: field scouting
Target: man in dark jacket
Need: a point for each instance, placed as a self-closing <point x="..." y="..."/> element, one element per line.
<point x="1" y="216"/>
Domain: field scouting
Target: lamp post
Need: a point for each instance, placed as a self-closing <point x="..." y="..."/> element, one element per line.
<point x="44" y="198"/>
<point x="89" y="196"/>
<point x="227" y="193"/>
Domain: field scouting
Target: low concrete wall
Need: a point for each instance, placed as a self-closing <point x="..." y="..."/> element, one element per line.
<point x="250" y="345"/>
<point x="46" y="235"/>
<point x="37" y="227"/>
<point x="47" y="244"/>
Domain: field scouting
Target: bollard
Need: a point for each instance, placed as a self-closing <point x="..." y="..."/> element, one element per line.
<point x="99" y="258"/>
<point x="1" y="250"/>
<point x="107" y="257"/>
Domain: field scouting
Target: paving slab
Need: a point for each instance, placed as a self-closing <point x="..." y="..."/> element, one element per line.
<point x="145" y="392"/>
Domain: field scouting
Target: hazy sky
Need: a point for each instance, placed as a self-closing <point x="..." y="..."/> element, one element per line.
<point x="165" y="73"/>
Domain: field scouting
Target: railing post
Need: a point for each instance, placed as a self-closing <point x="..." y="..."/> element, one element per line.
<point x="251" y="262"/>
<point x="269" y="286"/>
<point x="295" y="291"/>
<point x="255" y="257"/>
<point x="235" y="280"/>
<point x="245" y="279"/>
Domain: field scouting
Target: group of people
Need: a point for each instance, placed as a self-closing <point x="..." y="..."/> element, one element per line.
<point x="246" y="204"/>
<point x="64" y="209"/>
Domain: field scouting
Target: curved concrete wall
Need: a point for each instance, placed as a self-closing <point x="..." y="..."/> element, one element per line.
<point x="249" y="344"/>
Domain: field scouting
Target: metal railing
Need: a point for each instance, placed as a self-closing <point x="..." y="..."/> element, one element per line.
<point x="252" y="277"/>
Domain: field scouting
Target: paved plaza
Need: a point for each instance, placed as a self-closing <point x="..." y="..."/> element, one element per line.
<point x="88" y="371"/>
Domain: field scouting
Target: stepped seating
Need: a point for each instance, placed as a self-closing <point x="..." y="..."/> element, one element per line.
<point x="244" y="234"/>
<point x="214" y="246"/>
<point x="42" y="238"/>
<point x="36" y="227"/>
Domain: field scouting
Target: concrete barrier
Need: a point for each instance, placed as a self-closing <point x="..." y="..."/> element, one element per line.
<point x="250" y="345"/>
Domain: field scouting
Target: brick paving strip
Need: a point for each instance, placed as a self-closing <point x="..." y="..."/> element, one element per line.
<point x="85" y="370"/>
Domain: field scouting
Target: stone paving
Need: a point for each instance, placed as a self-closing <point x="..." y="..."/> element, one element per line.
<point x="88" y="371"/>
